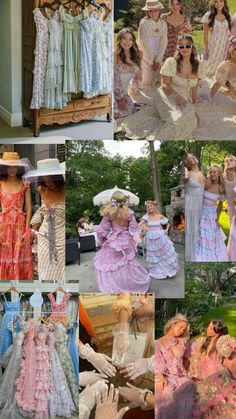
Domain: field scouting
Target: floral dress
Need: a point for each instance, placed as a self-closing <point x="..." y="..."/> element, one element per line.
<point x="59" y="309"/>
<point x="11" y="311"/>
<point x="218" y="44"/>
<point x="164" y="120"/>
<point x="173" y="32"/>
<point x="223" y="76"/>
<point x="126" y="77"/>
<point x="15" y="251"/>
<point x="116" y="267"/>
<point x="43" y="379"/>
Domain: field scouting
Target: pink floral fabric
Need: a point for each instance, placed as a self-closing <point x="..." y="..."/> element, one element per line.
<point x="59" y="309"/>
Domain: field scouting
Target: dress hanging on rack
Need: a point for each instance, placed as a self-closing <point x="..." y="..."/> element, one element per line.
<point x="59" y="309"/>
<point x="73" y="348"/>
<point x="12" y="310"/>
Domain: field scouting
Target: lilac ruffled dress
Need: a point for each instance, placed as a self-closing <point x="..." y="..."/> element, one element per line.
<point x="160" y="253"/>
<point x="116" y="267"/>
<point x="211" y="239"/>
<point x="231" y="248"/>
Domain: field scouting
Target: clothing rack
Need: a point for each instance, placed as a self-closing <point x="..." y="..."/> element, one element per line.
<point x="78" y="108"/>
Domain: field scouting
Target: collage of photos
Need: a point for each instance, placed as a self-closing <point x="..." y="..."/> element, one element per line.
<point x="118" y="209"/>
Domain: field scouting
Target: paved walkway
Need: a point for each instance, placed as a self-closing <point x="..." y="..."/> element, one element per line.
<point x="165" y="288"/>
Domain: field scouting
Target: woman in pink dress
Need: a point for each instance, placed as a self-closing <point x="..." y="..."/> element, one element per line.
<point x="174" y="389"/>
<point x="210" y="368"/>
<point x="229" y="177"/>
<point x="15" y="249"/>
<point x="116" y="268"/>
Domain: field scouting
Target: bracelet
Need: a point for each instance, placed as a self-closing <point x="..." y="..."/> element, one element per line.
<point x="144" y="393"/>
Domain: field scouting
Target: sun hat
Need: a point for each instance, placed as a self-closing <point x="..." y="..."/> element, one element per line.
<point x="46" y="167"/>
<point x="153" y="5"/>
<point x="11" y="158"/>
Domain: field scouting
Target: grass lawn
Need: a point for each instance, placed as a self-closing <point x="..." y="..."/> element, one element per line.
<point x="226" y="313"/>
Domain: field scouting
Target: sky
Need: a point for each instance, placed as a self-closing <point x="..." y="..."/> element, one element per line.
<point x="126" y="148"/>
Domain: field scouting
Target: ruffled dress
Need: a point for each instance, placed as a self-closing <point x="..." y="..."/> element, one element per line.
<point x="211" y="238"/>
<point x="160" y="253"/>
<point x="43" y="379"/>
<point x="11" y="311"/>
<point x="59" y="309"/>
<point x="164" y="120"/>
<point x="116" y="268"/>
<point x="15" y="251"/>
<point x="231" y="247"/>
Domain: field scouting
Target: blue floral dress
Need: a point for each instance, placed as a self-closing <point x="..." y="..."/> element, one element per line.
<point x="73" y="348"/>
<point x="12" y="310"/>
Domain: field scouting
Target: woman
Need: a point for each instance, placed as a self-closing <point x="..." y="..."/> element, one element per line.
<point x="174" y="389"/>
<point x="127" y="73"/>
<point x="194" y="190"/>
<point x="211" y="239"/>
<point x="177" y="24"/>
<point x="49" y="220"/>
<point x="152" y="41"/>
<point x="15" y="236"/>
<point x="171" y="115"/>
<point x="160" y="253"/>
<point x="210" y="367"/>
<point x="226" y="73"/>
<point x="216" y="30"/>
<point x="229" y="177"/>
<point x="116" y="267"/>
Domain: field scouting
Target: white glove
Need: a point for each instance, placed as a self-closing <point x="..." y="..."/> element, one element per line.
<point x="136" y="396"/>
<point x="121" y="342"/>
<point x="90" y="377"/>
<point x="99" y="361"/>
<point x="107" y="405"/>
<point x="87" y="398"/>
<point x="139" y="367"/>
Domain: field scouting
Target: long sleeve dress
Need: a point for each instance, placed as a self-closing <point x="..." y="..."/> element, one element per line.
<point x="116" y="267"/>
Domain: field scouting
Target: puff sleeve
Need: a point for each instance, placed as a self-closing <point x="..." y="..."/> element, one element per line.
<point x="221" y="75"/>
<point x="104" y="229"/>
<point x="205" y="18"/>
<point x="169" y="67"/>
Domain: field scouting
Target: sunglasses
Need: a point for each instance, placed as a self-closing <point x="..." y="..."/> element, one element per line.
<point x="188" y="46"/>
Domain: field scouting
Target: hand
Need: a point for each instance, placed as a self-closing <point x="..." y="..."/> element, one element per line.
<point x="90" y="377"/>
<point x="87" y="396"/>
<point x="160" y="383"/>
<point x="122" y="105"/>
<point x="137" y="368"/>
<point x="101" y="362"/>
<point x="135" y="395"/>
<point x="146" y="308"/>
<point x="107" y="406"/>
<point x="180" y="101"/>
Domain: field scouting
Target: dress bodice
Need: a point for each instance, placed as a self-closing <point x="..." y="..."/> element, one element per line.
<point x="210" y="198"/>
<point x="155" y="225"/>
<point x="219" y="29"/>
<point x="194" y="188"/>
<point x="13" y="201"/>
<point x="168" y="362"/>
<point x="59" y="309"/>
<point x="71" y="23"/>
<point x="12" y="306"/>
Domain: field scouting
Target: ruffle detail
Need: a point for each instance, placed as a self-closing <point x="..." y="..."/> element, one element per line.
<point x="161" y="256"/>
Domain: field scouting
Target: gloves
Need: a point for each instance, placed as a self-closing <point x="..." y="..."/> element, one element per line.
<point x="120" y="343"/>
<point x="90" y="377"/>
<point x="99" y="361"/>
<point x="107" y="406"/>
<point x="87" y="398"/>
<point x="136" y="396"/>
<point x="139" y="367"/>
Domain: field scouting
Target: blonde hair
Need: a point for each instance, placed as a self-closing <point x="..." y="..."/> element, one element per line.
<point x="174" y="320"/>
<point x="232" y="45"/>
<point x="118" y="200"/>
<point x="221" y="180"/>
<point x="225" y="162"/>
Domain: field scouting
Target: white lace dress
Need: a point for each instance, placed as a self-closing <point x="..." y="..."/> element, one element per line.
<point x="164" y="120"/>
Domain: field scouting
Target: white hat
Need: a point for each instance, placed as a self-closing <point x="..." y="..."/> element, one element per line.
<point x="153" y="5"/>
<point x="47" y="167"/>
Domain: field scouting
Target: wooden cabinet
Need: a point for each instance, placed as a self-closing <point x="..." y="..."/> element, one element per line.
<point x="78" y="108"/>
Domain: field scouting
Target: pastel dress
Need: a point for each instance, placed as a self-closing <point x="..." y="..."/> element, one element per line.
<point x="107" y="28"/>
<point x="161" y="257"/>
<point x="173" y="32"/>
<point x="230" y="191"/>
<point x="40" y="59"/>
<point x="194" y="192"/>
<point x="115" y="264"/>
<point x="66" y="361"/>
<point x="228" y="81"/>
<point x="177" y="399"/>
<point x="7" y="386"/>
<point x="94" y="74"/>
<point x="60" y="400"/>
<point x="218" y="44"/>
<point x="211" y="238"/>
<point x="58" y="310"/>
<point x="43" y="378"/>
<point x="126" y="78"/>
<point x="164" y="120"/>
<point x="11" y="311"/>
<point x="15" y="250"/>
<point x="51" y="241"/>
<point x="73" y="348"/>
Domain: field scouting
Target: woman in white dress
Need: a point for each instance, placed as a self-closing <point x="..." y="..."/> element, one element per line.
<point x="216" y="30"/>
<point x="172" y="114"/>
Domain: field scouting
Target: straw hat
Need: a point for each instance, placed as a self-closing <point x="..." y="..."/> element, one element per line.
<point x="47" y="167"/>
<point x="11" y="158"/>
<point x="153" y="5"/>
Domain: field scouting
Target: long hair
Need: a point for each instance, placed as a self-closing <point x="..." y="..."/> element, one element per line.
<point x="232" y="45"/>
<point x="213" y="13"/>
<point x="176" y="319"/>
<point x="180" y="2"/>
<point x="186" y="160"/>
<point x="134" y="51"/>
<point x="118" y="200"/>
<point x="221" y="180"/>
<point x="20" y="170"/>
<point x="219" y="327"/>
<point x="193" y="57"/>
<point x="225" y="163"/>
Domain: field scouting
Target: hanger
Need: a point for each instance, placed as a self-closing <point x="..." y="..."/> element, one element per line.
<point x="12" y="288"/>
<point x="50" y="5"/>
<point x="59" y="289"/>
<point x="41" y="319"/>
<point x="95" y="4"/>
<point x="104" y="5"/>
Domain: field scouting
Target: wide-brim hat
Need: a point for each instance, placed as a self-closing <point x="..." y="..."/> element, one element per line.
<point x="153" y="5"/>
<point x="11" y="158"/>
<point x="46" y="167"/>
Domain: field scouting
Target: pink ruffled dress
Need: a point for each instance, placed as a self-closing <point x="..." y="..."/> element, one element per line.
<point x="43" y="380"/>
<point x="116" y="267"/>
<point x="59" y="309"/>
<point x="15" y="251"/>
